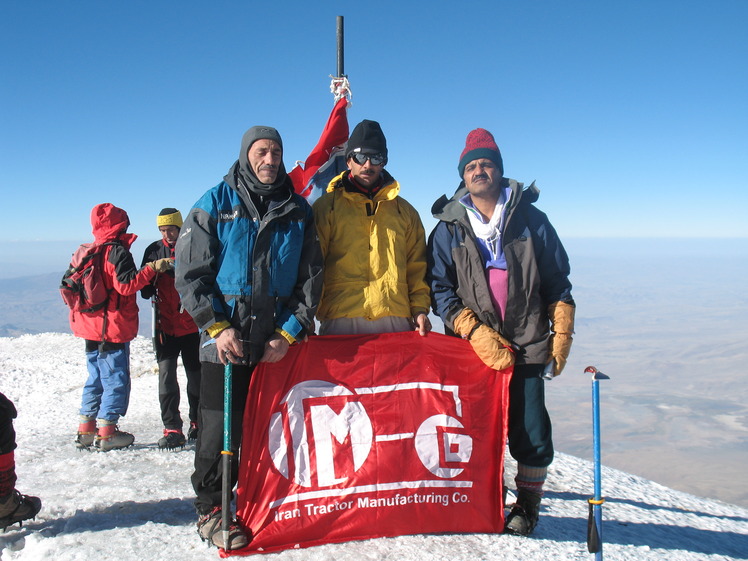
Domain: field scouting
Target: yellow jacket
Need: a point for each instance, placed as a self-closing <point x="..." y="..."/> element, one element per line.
<point x="374" y="254"/>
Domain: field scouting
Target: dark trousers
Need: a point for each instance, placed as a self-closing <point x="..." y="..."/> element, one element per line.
<point x="530" y="438"/>
<point x="7" y="445"/>
<point x="7" y="434"/>
<point x="207" y="477"/>
<point x="168" y="349"/>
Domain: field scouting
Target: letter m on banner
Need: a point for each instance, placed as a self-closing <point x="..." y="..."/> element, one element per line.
<point x="359" y="437"/>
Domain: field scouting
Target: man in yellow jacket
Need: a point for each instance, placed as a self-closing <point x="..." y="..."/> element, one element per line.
<point x="374" y="246"/>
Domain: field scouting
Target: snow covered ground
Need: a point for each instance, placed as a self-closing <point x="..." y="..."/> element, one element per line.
<point x="136" y="504"/>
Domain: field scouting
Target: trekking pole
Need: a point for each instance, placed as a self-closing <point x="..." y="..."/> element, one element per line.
<point x="595" y="517"/>
<point x="226" y="457"/>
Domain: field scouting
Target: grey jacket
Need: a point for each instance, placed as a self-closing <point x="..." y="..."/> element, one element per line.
<point x="537" y="266"/>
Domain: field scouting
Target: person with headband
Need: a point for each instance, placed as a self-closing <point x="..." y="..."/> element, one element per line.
<point x="175" y="333"/>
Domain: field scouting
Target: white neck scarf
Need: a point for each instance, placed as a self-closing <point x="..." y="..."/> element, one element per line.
<point x="489" y="232"/>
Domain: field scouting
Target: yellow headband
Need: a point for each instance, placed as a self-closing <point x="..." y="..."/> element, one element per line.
<point x="174" y="219"/>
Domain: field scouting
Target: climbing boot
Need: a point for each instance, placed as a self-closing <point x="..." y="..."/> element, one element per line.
<point x="172" y="439"/>
<point x="524" y="515"/>
<point x="16" y="507"/>
<point x="109" y="438"/>
<point x="86" y="433"/>
<point x="192" y="433"/>
<point x="209" y="529"/>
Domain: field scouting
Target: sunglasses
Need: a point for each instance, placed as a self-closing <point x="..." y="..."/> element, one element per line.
<point x="375" y="159"/>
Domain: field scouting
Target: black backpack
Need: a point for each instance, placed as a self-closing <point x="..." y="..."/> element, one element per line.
<point x="82" y="286"/>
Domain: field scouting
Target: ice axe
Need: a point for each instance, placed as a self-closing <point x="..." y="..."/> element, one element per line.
<point x="226" y="457"/>
<point x="595" y="518"/>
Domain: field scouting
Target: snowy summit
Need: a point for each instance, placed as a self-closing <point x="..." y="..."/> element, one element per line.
<point x="136" y="504"/>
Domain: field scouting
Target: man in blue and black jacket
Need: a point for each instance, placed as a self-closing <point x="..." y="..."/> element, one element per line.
<point x="249" y="272"/>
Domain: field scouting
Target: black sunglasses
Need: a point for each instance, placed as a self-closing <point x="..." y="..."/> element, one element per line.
<point x="375" y="159"/>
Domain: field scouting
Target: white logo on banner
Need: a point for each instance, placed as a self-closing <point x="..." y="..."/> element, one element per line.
<point x="436" y="441"/>
<point x="326" y="424"/>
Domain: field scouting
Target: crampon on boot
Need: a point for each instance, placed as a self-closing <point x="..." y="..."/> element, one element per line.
<point x="209" y="529"/>
<point x="524" y="515"/>
<point x="173" y="438"/>
<point x="16" y="507"/>
<point x="109" y="438"/>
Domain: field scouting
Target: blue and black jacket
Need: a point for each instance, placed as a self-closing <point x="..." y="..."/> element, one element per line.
<point x="258" y="271"/>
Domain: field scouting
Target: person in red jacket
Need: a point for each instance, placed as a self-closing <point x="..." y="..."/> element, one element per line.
<point x="175" y="333"/>
<point x="109" y="330"/>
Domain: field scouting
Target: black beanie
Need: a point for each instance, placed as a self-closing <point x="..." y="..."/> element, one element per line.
<point x="367" y="138"/>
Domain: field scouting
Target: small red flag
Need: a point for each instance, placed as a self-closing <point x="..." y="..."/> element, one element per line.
<point x="333" y="136"/>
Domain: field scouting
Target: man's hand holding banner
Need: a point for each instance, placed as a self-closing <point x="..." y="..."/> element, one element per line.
<point x="358" y="437"/>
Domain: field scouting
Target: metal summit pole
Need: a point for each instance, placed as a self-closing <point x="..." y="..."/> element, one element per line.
<point x="341" y="46"/>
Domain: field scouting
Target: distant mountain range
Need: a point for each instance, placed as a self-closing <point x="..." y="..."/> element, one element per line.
<point x="32" y="304"/>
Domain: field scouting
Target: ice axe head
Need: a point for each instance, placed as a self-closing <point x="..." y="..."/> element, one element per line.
<point x="596" y="374"/>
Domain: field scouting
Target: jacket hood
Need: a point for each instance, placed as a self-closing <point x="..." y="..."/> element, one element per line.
<point x="243" y="169"/>
<point x="110" y="223"/>
<point x="450" y="209"/>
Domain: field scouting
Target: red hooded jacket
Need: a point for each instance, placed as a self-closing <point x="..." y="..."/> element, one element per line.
<point x="117" y="322"/>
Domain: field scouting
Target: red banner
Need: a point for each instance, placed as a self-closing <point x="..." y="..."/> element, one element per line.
<point x="358" y="437"/>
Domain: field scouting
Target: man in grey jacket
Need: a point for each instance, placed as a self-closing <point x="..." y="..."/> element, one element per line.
<point x="499" y="278"/>
<point x="249" y="272"/>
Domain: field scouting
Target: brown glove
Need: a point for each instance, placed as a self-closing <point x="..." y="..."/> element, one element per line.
<point x="562" y="326"/>
<point x="161" y="265"/>
<point x="491" y="348"/>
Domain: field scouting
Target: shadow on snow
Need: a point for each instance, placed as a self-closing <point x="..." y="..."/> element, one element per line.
<point x="665" y="536"/>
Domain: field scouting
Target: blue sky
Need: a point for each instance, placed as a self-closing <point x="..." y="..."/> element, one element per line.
<point x="631" y="116"/>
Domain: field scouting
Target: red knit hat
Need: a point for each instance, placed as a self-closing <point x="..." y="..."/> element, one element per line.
<point x="480" y="144"/>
